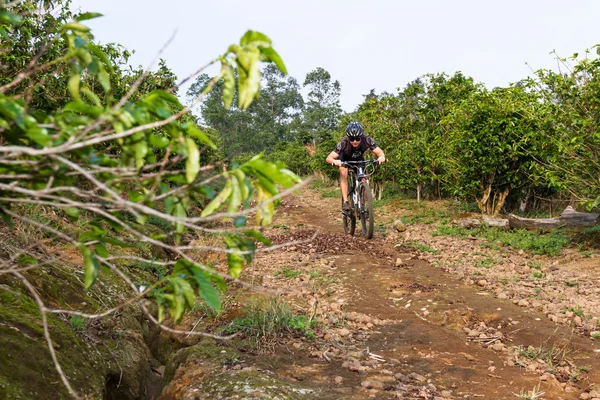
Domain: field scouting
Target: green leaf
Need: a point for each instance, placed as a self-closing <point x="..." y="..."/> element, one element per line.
<point x="255" y="38"/>
<point x="101" y="55"/>
<point x="101" y="250"/>
<point x="38" y="135"/>
<point x="81" y="107"/>
<point x="206" y="289"/>
<point x="75" y="27"/>
<point x="192" y="163"/>
<point x="88" y="15"/>
<point x="249" y="76"/>
<point x="93" y="97"/>
<point x="273" y="56"/>
<point x="159" y="141"/>
<point x="72" y="212"/>
<point x="27" y="260"/>
<point x="10" y="18"/>
<point x="91" y="266"/>
<point x="217" y="201"/>
<point x="236" y="195"/>
<point x="258" y="236"/>
<point x="73" y="86"/>
<point x="104" y="79"/>
<point x="228" y="85"/>
<point x="193" y="131"/>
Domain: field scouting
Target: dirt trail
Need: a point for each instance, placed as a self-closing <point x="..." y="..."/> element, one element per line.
<point x="393" y="325"/>
<point x="429" y="334"/>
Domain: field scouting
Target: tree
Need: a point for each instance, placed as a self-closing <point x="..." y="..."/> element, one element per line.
<point x="258" y="128"/>
<point x="569" y="115"/>
<point x="322" y="110"/>
<point x="492" y="144"/>
<point x="118" y="162"/>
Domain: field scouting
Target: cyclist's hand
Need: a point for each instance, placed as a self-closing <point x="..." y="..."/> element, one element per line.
<point x="381" y="160"/>
<point x="337" y="163"/>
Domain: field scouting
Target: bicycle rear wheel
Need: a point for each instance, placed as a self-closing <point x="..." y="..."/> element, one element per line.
<point x="349" y="218"/>
<point x="366" y="209"/>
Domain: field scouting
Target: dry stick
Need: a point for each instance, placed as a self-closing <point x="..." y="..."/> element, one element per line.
<point x="43" y="311"/>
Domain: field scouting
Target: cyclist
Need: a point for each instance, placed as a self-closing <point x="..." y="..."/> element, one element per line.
<point x="352" y="148"/>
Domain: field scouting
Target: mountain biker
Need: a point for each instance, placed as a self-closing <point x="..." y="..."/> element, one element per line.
<point x="352" y="148"/>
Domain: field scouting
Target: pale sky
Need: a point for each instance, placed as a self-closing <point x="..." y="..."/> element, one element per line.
<point x="379" y="44"/>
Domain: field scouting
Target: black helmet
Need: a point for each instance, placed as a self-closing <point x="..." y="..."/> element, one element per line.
<point x="354" y="129"/>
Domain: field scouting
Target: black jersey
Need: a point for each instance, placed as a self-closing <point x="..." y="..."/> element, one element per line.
<point x="349" y="153"/>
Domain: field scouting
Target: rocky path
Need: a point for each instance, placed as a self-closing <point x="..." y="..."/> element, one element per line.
<point x="399" y="323"/>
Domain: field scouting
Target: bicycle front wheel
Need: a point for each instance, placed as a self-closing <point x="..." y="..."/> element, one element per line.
<point x="366" y="209"/>
<point x="349" y="219"/>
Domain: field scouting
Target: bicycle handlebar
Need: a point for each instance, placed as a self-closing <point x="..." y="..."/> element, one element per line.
<point x="347" y="164"/>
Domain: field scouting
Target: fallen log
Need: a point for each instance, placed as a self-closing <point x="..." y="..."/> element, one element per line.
<point x="569" y="218"/>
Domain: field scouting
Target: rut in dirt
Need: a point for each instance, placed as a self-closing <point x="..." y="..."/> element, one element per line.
<point x="439" y="331"/>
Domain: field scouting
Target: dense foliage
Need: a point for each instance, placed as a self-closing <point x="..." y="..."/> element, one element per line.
<point x="111" y="148"/>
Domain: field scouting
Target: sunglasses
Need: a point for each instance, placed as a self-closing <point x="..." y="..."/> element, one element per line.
<point x="354" y="138"/>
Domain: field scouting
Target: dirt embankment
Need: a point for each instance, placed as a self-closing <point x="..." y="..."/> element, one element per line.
<point x="437" y="320"/>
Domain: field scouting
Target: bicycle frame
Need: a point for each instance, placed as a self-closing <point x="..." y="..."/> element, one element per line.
<point x="359" y="192"/>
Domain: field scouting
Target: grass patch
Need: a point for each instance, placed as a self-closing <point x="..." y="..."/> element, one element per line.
<point x="485" y="262"/>
<point x="77" y="323"/>
<point x="552" y="355"/>
<point x="426" y="216"/>
<point x="319" y="280"/>
<point x="538" y="243"/>
<point x="287" y="272"/>
<point x="271" y="318"/>
<point x="422" y="247"/>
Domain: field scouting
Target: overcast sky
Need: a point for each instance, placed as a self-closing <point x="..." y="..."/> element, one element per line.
<point x="379" y="44"/>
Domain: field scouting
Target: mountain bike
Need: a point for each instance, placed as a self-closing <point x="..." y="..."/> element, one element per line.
<point x="359" y="197"/>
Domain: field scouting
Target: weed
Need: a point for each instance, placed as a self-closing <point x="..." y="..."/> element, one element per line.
<point x="270" y="318"/>
<point x="576" y="311"/>
<point x="535" y="264"/>
<point x="552" y="355"/>
<point x="77" y="323"/>
<point x="288" y="272"/>
<point x="485" y="262"/>
<point x="530" y="395"/>
<point x="319" y="280"/>
<point x="282" y="226"/>
<point x="330" y="193"/>
<point x="574" y="283"/>
<point x="538" y="275"/>
<point x="422" y="247"/>
<point x="596" y="335"/>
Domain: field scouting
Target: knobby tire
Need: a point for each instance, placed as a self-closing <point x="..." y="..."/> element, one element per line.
<point x="366" y="209"/>
<point x="349" y="218"/>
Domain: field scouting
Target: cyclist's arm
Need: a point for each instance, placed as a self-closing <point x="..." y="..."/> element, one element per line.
<point x="332" y="159"/>
<point x="379" y="153"/>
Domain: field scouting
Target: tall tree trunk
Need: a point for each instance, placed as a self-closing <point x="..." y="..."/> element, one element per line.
<point x="419" y="189"/>
<point x="482" y="203"/>
<point x="500" y="199"/>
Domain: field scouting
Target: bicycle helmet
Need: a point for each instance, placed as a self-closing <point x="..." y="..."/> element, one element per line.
<point x="354" y="129"/>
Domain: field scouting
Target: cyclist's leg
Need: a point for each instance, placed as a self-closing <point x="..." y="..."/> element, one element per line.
<point x="344" y="183"/>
